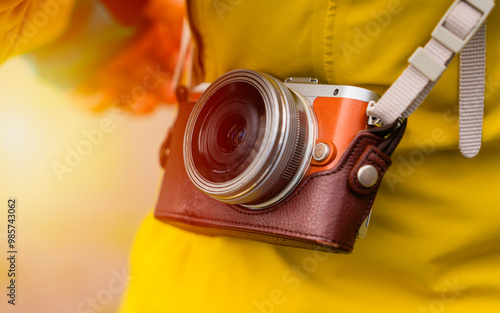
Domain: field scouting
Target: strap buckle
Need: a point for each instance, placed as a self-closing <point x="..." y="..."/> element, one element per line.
<point x="449" y="39"/>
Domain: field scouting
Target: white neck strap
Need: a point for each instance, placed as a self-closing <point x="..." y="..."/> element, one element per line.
<point x="462" y="27"/>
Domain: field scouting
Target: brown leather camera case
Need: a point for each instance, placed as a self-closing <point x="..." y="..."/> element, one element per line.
<point x="323" y="213"/>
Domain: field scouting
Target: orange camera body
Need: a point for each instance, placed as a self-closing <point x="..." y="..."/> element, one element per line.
<point x="340" y="113"/>
<point x="310" y="198"/>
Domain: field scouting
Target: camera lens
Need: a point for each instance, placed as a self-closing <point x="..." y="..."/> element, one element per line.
<point x="232" y="134"/>
<point x="229" y="127"/>
<point x="249" y="140"/>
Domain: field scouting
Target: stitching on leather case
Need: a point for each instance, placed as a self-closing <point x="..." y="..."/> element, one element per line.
<point x="367" y="211"/>
<point x="299" y="245"/>
<point x="308" y="180"/>
<point x="368" y="161"/>
<point x="299" y="190"/>
<point x="260" y="226"/>
<point x="374" y="194"/>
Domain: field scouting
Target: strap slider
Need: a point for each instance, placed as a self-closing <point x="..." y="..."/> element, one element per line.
<point x="426" y="64"/>
<point x="450" y="40"/>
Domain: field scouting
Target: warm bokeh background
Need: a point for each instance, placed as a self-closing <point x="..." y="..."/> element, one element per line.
<point x="75" y="235"/>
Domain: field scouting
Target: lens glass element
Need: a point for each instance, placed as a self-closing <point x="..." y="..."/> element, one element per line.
<point x="228" y="132"/>
<point x="249" y="139"/>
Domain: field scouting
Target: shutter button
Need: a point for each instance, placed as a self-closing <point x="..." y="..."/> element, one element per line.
<point x="321" y="152"/>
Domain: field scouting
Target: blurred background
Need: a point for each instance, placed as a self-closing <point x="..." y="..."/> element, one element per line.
<point x="76" y="217"/>
<point x="81" y="122"/>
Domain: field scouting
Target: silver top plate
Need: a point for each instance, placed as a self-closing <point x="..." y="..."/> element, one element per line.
<point x="312" y="91"/>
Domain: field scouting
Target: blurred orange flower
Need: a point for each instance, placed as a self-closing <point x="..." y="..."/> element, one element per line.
<point x="139" y="77"/>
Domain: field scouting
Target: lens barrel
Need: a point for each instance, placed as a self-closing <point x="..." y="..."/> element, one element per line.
<point x="249" y="139"/>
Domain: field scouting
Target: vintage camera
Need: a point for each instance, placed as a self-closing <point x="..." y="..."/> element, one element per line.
<point x="251" y="138"/>
<point x="289" y="163"/>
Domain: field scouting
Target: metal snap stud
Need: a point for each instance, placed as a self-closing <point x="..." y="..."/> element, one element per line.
<point x="367" y="176"/>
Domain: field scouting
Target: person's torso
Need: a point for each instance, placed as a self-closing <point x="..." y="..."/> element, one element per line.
<point x="345" y="42"/>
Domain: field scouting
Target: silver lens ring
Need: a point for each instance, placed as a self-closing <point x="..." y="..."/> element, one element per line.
<point x="283" y="145"/>
<point x="310" y="123"/>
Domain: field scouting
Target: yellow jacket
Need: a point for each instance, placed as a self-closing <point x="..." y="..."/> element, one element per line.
<point x="434" y="239"/>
